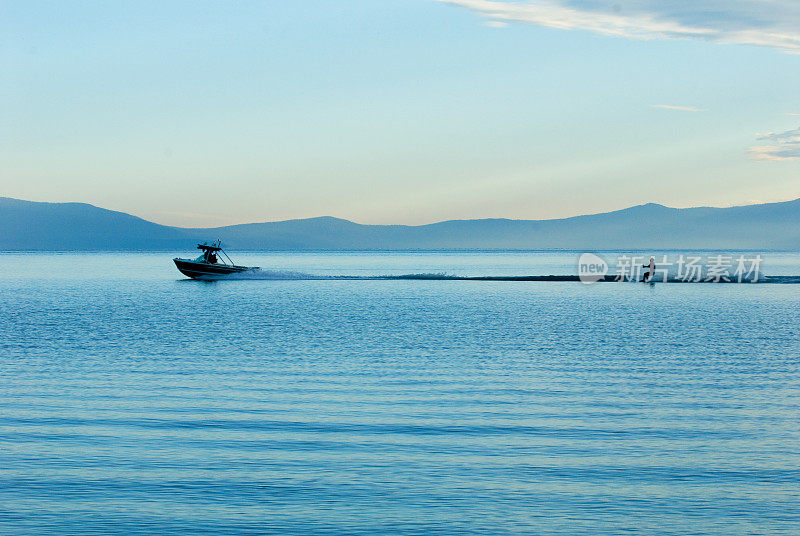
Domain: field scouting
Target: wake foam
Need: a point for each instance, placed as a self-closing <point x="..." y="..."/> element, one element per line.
<point x="290" y="275"/>
<point x="272" y="275"/>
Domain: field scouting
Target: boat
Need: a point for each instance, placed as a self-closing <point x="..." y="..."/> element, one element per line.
<point x="210" y="264"/>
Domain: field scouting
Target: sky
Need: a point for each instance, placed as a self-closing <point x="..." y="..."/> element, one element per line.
<point x="202" y="113"/>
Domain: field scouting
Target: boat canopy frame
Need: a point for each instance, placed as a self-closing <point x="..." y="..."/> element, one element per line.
<point x="213" y="248"/>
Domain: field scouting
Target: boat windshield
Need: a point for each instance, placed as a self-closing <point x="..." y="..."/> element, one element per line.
<point x="208" y="256"/>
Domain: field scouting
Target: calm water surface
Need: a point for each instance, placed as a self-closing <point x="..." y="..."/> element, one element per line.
<point x="135" y="402"/>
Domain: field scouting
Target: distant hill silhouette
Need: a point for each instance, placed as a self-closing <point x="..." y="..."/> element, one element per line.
<point x="28" y="225"/>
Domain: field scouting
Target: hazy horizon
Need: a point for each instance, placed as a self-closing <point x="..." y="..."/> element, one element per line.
<point x="320" y="216"/>
<point x="81" y="226"/>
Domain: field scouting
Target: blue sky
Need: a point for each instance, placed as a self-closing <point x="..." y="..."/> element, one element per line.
<point x="408" y="111"/>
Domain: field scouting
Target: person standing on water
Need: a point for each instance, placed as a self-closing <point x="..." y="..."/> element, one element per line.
<point x="648" y="275"/>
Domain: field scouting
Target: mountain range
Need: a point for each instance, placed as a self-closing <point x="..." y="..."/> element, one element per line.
<point x="38" y="226"/>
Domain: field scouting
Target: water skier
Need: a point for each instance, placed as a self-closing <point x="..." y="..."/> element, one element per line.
<point x="648" y="275"/>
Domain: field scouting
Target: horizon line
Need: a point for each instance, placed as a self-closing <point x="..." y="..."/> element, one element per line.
<point x="404" y="224"/>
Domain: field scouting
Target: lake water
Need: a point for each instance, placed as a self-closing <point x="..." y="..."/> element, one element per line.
<point x="133" y="401"/>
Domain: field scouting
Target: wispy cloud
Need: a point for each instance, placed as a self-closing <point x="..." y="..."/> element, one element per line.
<point x="785" y="146"/>
<point x="678" y="108"/>
<point x="793" y="113"/>
<point x="771" y="23"/>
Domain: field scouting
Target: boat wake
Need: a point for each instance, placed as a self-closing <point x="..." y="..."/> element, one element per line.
<point x="272" y="275"/>
<point x="289" y="275"/>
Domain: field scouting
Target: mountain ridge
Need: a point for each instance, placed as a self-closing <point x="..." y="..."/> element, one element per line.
<point x="44" y="226"/>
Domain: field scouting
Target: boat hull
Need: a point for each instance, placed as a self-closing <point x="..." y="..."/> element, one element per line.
<point x="204" y="270"/>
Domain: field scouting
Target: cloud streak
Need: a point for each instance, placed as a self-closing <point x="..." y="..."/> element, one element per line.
<point x="769" y="23"/>
<point x="785" y="146"/>
<point x="677" y="108"/>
